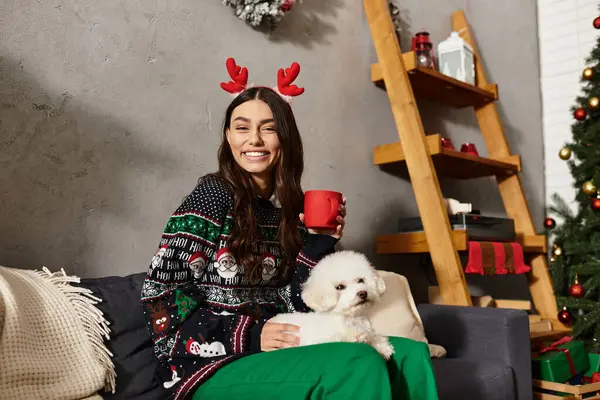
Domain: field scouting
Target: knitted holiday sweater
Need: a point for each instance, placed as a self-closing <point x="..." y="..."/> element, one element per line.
<point x="201" y="311"/>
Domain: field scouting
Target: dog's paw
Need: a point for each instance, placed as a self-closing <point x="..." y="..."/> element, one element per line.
<point x="362" y="337"/>
<point x="436" y="351"/>
<point x="385" y="349"/>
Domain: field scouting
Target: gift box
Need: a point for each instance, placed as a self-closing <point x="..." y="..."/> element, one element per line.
<point x="594" y="361"/>
<point x="559" y="361"/>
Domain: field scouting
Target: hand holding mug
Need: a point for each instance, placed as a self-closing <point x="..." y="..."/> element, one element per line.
<point x="324" y="213"/>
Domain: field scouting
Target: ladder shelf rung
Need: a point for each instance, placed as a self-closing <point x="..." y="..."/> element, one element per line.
<point x="415" y="242"/>
<point x="448" y="163"/>
<point x="435" y="86"/>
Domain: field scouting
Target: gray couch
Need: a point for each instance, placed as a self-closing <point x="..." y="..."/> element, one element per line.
<point x="488" y="349"/>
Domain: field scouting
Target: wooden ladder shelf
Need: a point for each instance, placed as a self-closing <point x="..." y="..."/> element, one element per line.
<point x="421" y="157"/>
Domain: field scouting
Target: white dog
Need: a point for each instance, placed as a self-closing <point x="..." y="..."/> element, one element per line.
<point x="340" y="289"/>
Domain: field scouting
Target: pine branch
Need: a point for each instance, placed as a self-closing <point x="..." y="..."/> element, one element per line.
<point x="596" y="338"/>
<point x="587" y="322"/>
<point x="576" y="304"/>
<point x="591" y="286"/>
<point x="588" y="268"/>
<point x="558" y="272"/>
<point x="561" y="208"/>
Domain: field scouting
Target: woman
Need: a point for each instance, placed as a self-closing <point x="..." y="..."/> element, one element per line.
<point x="235" y="254"/>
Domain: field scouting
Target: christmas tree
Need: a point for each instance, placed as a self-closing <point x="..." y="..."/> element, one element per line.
<point x="575" y="260"/>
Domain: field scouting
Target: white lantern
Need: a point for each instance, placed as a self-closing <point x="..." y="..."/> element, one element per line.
<point x="455" y="59"/>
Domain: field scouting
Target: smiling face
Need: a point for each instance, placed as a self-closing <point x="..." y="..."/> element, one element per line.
<point x="253" y="139"/>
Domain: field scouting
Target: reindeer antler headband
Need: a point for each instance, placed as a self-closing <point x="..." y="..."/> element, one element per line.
<point x="285" y="78"/>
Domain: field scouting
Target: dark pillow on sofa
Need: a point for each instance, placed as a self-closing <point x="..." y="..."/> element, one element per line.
<point x="130" y="341"/>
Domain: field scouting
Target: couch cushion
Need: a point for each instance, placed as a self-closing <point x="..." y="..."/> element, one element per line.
<point x="130" y="341"/>
<point x="460" y="379"/>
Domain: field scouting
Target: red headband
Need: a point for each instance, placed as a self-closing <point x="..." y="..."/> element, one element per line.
<point x="285" y="79"/>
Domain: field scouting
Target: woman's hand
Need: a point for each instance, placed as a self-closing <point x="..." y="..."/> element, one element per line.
<point x="273" y="336"/>
<point x="338" y="232"/>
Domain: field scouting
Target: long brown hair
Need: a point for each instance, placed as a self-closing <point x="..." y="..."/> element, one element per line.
<point x="287" y="175"/>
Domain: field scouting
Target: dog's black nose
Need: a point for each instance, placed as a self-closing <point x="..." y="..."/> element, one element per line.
<point x="362" y="294"/>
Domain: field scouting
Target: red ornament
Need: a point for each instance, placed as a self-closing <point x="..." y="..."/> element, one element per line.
<point x="596" y="204"/>
<point x="287" y="5"/>
<point x="576" y="290"/>
<point x="579" y="114"/>
<point x="549" y="223"/>
<point x="597" y="22"/>
<point x="565" y="316"/>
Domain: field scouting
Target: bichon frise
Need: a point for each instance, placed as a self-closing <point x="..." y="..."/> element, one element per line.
<point x="340" y="289"/>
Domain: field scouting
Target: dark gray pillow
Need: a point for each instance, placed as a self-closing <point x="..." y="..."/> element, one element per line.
<point x="130" y="341"/>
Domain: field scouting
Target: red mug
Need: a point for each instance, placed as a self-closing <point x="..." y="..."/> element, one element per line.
<point x="321" y="208"/>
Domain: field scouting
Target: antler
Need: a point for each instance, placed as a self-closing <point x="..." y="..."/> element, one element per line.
<point x="239" y="76"/>
<point x="156" y="308"/>
<point x="285" y="79"/>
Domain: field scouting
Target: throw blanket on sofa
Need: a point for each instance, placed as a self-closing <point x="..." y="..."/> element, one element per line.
<point x="51" y="338"/>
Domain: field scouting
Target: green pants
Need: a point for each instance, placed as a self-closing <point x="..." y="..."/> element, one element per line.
<point x="327" y="371"/>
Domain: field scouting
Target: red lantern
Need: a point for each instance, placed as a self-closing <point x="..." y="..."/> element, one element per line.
<point x="423" y="49"/>
<point x="596" y="204"/>
<point x="447" y="144"/>
<point x="469" y="148"/>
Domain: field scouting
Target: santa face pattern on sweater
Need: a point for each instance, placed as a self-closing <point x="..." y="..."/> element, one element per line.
<point x="269" y="267"/>
<point x="199" y="306"/>
<point x="197" y="263"/>
<point x="226" y="265"/>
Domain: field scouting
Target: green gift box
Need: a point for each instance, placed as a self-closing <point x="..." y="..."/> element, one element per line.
<point x="594" y="361"/>
<point x="559" y="361"/>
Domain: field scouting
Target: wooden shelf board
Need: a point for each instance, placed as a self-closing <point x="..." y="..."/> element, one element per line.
<point x="435" y="86"/>
<point x="566" y="388"/>
<point x="449" y="163"/>
<point x="415" y="242"/>
<point x="554" y="334"/>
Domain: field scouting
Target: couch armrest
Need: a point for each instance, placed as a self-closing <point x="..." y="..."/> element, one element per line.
<point x="478" y="333"/>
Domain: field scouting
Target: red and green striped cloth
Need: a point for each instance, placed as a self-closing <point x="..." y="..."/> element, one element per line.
<point x="496" y="258"/>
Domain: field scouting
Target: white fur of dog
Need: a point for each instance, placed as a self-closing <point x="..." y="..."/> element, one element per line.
<point x="340" y="290"/>
<point x="396" y="314"/>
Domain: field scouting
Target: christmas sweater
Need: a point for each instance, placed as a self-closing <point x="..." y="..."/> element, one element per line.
<point x="201" y="311"/>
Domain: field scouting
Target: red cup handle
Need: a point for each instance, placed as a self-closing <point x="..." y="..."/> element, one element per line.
<point x="335" y="205"/>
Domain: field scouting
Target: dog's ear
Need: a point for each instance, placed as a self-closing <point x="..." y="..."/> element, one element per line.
<point x="319" y="296"/>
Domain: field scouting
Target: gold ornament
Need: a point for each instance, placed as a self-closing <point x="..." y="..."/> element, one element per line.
<point x="557" y="251"/>
<point x="588" y="73"/>
<point x="589" y="188"/>
<point x="593" y="103"/>
<point x="564" y="153"/>
<point x="552" y="259"/>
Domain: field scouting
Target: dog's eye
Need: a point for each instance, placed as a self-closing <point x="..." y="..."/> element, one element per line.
<point x="340" y="287"/>
<point x="361" y="280"/>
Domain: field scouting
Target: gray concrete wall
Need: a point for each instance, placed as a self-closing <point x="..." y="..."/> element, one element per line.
<point x="110" y="111"/>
